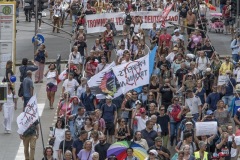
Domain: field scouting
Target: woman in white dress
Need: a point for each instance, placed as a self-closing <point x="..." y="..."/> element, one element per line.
<point x="8" y="109"/>
<point x="58" y="133"/>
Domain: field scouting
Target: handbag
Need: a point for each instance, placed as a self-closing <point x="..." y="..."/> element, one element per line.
<point x="4" y="79"/>
<point x="52" y="140"/>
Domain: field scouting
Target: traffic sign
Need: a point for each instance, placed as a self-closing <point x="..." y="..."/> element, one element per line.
<point x="39" y="38"/>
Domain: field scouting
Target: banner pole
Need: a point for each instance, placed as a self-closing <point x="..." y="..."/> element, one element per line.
<point x="40" y="125"/>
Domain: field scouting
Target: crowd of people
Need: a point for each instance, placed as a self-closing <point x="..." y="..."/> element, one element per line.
<point x="184" y="87"/>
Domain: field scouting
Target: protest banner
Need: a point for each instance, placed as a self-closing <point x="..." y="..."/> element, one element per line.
<point x="237" y="140"/>
<point x="105" y="83"/>
<point x="29" y="116"/>
<point x="165" y="13"/>
<point x="96" y="22"/>
<point x="206" y="128"/>
<point x="238" y="77"/>
<point x="222" y="80"/>
<point x="133" y="74"/>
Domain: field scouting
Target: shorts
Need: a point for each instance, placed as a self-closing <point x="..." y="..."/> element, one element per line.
<point x="52" y="89"/>
<point x="227" y="21"/>
<point x="203" y="34"/>
<point x="189" y="31"/>
<point x="109" y="128"/>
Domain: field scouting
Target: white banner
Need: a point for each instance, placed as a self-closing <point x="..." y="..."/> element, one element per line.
<point x="206" y="128"/>
<point x="105" y="83"/>
<point x="133" y="74"/>
<point x="29" y="116"/>
<point x="96" y="22"/>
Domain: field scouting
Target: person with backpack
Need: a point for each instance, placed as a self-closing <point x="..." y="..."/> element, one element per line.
<point x="187" y="140"/>
<point x="173" y="111"/>
<point x="25" y="67"/>
<point x="127" y="20"/>
<point x="235" y="46"/>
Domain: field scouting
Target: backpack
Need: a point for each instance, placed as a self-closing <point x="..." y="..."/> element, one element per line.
<point x="113" y="28"/>
<point x="128" y="19"/>
<point x="235" y="43"/>
<point x="78" y="123"/>
<point x="23" y="74"/>
<point x="181" y="142"/>
<point x="176" y="110"/>
<point x="20" y="90"/>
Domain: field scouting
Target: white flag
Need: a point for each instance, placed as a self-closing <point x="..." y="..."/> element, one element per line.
<point x="133" y="74"/>
<point x="29" y="116"/>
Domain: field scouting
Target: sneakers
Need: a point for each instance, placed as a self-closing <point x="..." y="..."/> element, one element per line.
<point x="7" y="132"/>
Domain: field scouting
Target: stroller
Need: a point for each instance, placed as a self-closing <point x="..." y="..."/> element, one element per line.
<point x="216" y="23"/>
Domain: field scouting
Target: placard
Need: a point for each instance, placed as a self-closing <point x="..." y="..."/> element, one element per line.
<point x="222" y="80"/>
<point x="206" y="128"/>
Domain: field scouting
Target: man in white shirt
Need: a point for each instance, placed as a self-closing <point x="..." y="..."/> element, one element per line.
<point x="202" y="62"/>
<point x="69" y="85"/>
<point x="194" y="104"/>
<point x="170" y="57"/>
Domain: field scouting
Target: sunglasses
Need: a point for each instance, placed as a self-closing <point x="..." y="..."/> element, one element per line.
<point x="162" y="109"/>
<point x="151" y="154"/>
<point x="150" y="95"/>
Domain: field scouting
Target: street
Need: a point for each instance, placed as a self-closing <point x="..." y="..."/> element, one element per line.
<point x="56" y="43"/>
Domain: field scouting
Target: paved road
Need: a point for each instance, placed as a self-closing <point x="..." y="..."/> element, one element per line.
<point x="11" y="146"/>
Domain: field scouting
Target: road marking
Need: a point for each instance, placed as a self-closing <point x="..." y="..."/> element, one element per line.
<point x="20" y="153"/>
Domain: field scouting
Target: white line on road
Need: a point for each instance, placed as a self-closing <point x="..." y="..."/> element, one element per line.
<point x="20" y="153"/>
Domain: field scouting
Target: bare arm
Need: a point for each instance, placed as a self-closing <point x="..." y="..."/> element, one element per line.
<point x="74" y="154"/>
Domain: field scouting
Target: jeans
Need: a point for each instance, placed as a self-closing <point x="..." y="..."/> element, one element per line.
<point x="228" y="100"/>
<point x="173" y="131"/>
<point x="221" y="7"/>
<point x="25" y="100"/>
<point x="74" y="19"/>
<point x="195" y="117"/>
<point x="235" y="57"/>
<point x="29" y="140"/>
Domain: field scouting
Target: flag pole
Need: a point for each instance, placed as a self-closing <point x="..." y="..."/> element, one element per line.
<point x="40" y="127"/>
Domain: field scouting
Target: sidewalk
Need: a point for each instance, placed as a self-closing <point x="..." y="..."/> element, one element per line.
<point x="10" y="144"/>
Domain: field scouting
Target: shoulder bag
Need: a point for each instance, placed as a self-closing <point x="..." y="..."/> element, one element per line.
<point x="52" y="139"/>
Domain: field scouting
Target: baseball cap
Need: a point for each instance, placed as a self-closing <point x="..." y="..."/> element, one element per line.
<point x="189" y="123"/>
<point x="154" y="152"/>
<point x="138" y="102"/>
<point x="209" y="112"/>
<point x="109" y="97"/>
<point x="142" y="110"/>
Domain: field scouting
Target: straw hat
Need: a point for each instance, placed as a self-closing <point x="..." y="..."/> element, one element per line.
<point x="189" y="115"/>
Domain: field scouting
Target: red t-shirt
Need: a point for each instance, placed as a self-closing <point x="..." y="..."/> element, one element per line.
<point x="165" y="38"/>
<point x="226" y="12"/>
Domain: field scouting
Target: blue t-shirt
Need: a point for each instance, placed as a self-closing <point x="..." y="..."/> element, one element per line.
<point x="108" y="112"/>
<point x="212" y="100"/>
<point x="78" y="145"/>
<point x="229" y="88"/>
<point x="201" y="94"/>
